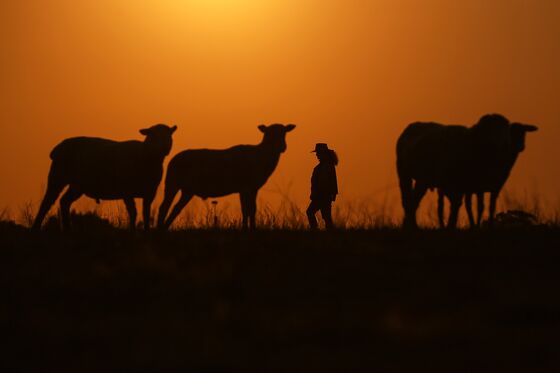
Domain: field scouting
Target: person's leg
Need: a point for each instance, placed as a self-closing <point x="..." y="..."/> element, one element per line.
<point x="311" y="210"/>
<point x="326" y="214"/>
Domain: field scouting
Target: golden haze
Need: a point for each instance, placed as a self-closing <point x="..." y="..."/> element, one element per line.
<point x="349" y="73"/>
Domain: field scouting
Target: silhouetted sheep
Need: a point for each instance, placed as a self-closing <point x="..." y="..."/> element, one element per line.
<point x="207" y="173"/>
<point x="498" y="170"/>
<point x="106" y="169"/>
<point x="468" y="206"/>
<point x="497" y="146"/>
<point x="458" y="160"/>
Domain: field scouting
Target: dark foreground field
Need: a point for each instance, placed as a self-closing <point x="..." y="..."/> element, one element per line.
<point x="280" y="301"/>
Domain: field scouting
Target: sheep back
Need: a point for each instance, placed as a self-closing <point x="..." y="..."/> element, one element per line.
<point x="433" y="154"/>
<point x="215" y="173"/>
<point x="106" y="169"/>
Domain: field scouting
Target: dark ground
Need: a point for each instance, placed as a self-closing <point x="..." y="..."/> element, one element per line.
<point x="280" y="301"/>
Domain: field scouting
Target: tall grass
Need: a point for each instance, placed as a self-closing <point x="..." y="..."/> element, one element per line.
<point x="5" y="214"/>
<point x="527" y="201"/>
<point x="286" y="214"/>
<point x="27" y="213"/>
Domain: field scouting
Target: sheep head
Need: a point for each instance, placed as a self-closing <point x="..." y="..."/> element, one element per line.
<point x="517" y="134"/>
<point x="275" y="136"/>
<point x="493" y="120"/>
<point x="158" y="138"/>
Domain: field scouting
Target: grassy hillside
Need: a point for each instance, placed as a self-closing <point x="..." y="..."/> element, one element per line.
<point x="103" y="299"/>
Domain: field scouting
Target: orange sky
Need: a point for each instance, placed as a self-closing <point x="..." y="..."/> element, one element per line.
<point x="350" y="73"/>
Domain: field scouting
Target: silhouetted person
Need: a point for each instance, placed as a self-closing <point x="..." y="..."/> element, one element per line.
<point x="324" y="186"/>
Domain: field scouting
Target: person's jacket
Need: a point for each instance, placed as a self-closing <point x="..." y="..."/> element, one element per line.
<point x="323" y="182"/>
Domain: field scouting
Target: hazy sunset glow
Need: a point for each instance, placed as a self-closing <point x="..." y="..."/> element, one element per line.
<point x="349" y="73"/>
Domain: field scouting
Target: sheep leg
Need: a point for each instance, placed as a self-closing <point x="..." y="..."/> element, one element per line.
<point x="440" y="207"/>
<point x="456" y="201"/>
<point x="66" y="201"/>
<point x="253" y="210"/>
<point x="244" y="209"/>
<point x="480" y="207"/>
<point x="185" y="198"/>
<point x="493" y="198"/>
<point x="169" y="196"/>
<point x="405" y="184"/>
<point x="248" y="208"/>
<point x="53" y="191"/>
<point x="418" y="193"/>
<point x="131" y="209"/>
<point x="146" y="209"/>
<point x="468" y="207"/>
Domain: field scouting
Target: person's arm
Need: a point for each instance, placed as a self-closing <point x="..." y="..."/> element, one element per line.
<point x="333" y="184"/>
<point x="315" y="183"/>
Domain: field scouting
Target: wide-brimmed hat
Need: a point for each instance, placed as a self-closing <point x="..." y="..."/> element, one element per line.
<point x="320" y="147"/>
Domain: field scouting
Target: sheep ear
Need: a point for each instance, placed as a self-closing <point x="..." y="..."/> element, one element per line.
<point x="290" y="127"/>
<point x="262" y="128"/>
<point x="145" y="131"/>
<point x="173" y="129"/>
<point x="529" y="128"/>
